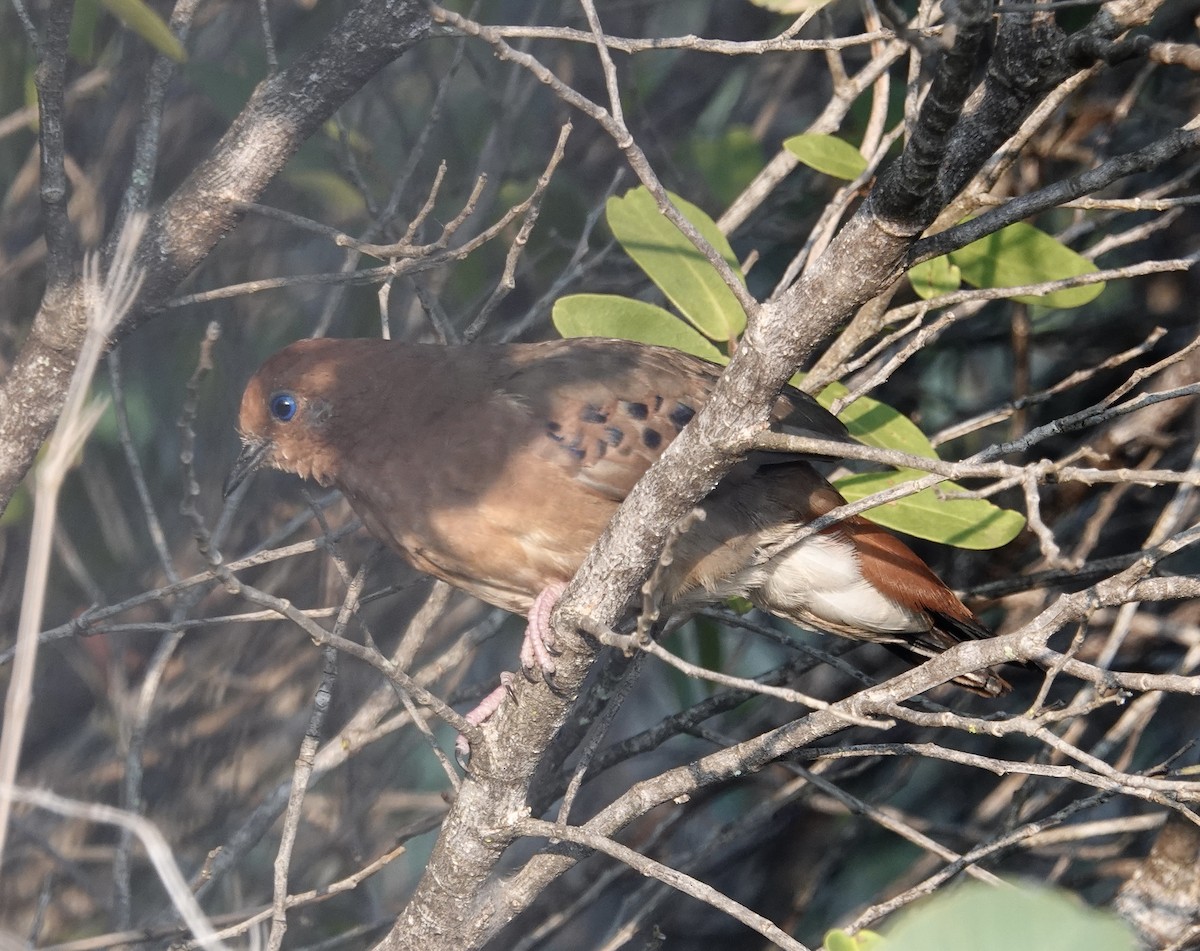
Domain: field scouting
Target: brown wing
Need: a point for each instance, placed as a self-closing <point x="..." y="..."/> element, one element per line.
<point x="607" y="409"/>
<point x="610" y="407"/>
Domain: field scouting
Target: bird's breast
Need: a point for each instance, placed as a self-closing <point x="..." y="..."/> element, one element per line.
<point x="501" y="532"/>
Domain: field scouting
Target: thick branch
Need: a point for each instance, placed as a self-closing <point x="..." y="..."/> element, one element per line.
<point x="62" y="251"/>
<point x="1029" y="61"/>
<point x="909" y="181"/>
<point x="1026" y="206"/>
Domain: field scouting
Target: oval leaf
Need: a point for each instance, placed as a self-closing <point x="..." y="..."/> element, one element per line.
<point x="791" y="7"/>
<point x="838" y="940"/>
<point x="610" y="315"/>
<point x="964" y="523"/>
<point x="876" y="424"/>
<point x="827" y="154"/>
<point x="986" y="918"/>
<point x="672" y="262"/>
<point x="1022" y="254"/>
<point x="935" y="277"/>
<point x="976" y="524"/>
<point x="18" y="507"/>
<point x="727" y="162"/>
<point x="340" y="199"/>
<point x="147" y="24"/>
<point x="82" y="41"/>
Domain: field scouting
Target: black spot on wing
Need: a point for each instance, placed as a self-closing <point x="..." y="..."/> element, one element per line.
<point x="593" y="414"/>
<point x="614" y="435"/>
<point x="575" y="448"/>
<point x="636" y="410"/>
<point x="680" y="415"/>
<point x="652" y="438"/>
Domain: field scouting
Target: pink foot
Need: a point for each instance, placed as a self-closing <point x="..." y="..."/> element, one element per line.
<point x="537" y="648"/>
<point x="484" y="709"/>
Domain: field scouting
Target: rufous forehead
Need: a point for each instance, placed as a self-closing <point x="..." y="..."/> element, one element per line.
<point x="306" y="368"/>
<point x="252" y="416"/>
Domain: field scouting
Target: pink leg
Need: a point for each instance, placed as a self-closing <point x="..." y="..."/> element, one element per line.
<point x="537" y="648"/>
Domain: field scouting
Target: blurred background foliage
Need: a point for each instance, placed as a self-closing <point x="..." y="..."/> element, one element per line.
<point x="224" y="725"/>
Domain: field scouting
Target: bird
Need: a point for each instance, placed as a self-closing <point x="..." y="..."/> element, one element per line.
<point x="495" y="467"/>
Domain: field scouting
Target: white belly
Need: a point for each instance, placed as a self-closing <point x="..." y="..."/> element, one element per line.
<point x="820" y="579"/>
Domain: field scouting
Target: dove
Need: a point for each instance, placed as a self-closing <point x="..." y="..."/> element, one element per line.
<point x="495" y="467"/>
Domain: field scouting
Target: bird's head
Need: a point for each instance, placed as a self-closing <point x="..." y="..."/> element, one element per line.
<point x="287" y="412"/>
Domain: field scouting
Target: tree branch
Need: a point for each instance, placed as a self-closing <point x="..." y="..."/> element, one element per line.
<point x="283" y="111"/>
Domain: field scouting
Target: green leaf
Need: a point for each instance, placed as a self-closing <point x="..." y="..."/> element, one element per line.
<point x="672" y="262"/>
<point x="877" y="424"/>
<point x="337" y="196"/>
<point x="965" y="523"/>
<point x="838" y="940"/>
<point x="1022" y="254"/>
<point x="976" y="524"/>
<point x="935" y="277"/>
<point x="147" y="24"/>
<point x="827" y="154"/>
<point x="988" y="918"/>
<point x="82" y="41"/>
<point x="728" y="162"/>
<point x="609" y="315"/>
<point x="791" y="7"/>
<point x="19" y="507"/>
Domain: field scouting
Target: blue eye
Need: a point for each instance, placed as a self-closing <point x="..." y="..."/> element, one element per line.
<point x="283" y="406"/>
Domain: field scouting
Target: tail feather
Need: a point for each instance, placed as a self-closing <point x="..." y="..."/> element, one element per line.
<point x="947" y="631"/>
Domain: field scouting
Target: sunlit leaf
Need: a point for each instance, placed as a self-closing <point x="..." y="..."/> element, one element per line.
<point x="990" y="918"/>
<point x="1022" y="254"/>
<point x="964" y="523"/>
<point x="976" y="524"/>
<point x="827" y="154"/>
<point x="935" y="277"/>
<point x="877" y="424"/>
<point x="672" y="262"/>
<point x="838" y="940"/>
<point x="791" y="7"/>
<point x="609" y="315"/>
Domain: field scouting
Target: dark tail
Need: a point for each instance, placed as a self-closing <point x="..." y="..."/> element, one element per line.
<point x="946" y="632"/>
